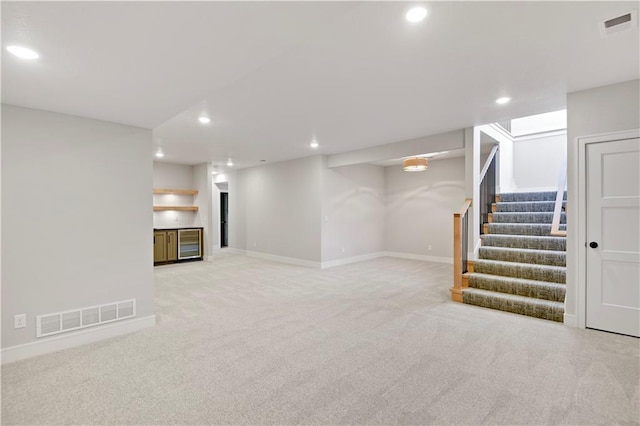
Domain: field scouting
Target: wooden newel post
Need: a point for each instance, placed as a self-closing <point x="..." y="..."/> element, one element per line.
<point x="456" y="290"/>
<point x="459" y="258"/>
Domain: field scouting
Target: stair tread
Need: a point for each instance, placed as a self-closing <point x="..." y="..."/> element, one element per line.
<point x="534" y="214"/>
<point x="531" y="196"/>
<point x="517" y="241"/>
<point x="528" y="202"/>
<point x="519" y="264"/>
<point x="514" y="297"/>
<point x="524" y="255"/>
<point x="532" y="237"/>
<point x="525" y="224"/>
<point x="535" y="218"/>
<point x="515" y="280"/>
<point x="506" y="249"/>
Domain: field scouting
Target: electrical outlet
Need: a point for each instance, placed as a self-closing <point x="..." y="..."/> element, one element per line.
<point x="343" y="249"/>
<point x="20" y="321"/>
<point x="255" y="244"/>
<point x="429" y="247"/>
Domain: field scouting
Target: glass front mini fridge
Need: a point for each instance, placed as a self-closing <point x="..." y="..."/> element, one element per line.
<point x="189" y="243"/>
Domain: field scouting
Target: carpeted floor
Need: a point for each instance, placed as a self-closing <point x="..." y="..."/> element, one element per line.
<point x="246" y="341"/>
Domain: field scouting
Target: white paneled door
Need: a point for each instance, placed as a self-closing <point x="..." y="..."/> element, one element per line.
<point x="613" y="236"/>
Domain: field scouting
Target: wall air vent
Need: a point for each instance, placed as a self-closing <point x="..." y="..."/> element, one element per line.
<point x="61" y="322"/>
<point x="623" y="22"/>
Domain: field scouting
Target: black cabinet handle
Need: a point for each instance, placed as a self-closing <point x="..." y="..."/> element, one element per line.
<point x="593" y="244"/>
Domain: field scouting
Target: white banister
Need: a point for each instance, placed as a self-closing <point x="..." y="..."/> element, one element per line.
<point x="557" y="210"/>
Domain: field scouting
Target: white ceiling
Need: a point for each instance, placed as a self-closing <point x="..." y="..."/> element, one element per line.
<point x="273" y="75"/>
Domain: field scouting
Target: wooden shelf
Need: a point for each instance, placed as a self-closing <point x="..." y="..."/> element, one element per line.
<point x="176" y="208"/>
<point x="175" y="191"/>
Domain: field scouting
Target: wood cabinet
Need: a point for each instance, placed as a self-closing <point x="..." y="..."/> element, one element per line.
<point x="172" y="245"/>
<point x="176" y="245"/>
<point x="159" y="246"/>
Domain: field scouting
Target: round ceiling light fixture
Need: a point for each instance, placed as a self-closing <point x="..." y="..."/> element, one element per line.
<point x="159" y="153"/>
<point x="22" y="52"/>
<point x="314" y="144"/>
<point x="230" y="163"/>
<point x="503" y="100"/>
<point x="416" y="14"/>
<point x="415" y="164"/>
<point x="204" y="119"/>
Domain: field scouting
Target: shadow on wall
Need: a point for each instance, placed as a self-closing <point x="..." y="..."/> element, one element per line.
<point x="359" y="192"/>
<point x="425" y="192"/>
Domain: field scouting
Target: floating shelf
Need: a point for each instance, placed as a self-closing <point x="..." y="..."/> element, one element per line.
<point x="175" y="191"/>
<point x="177" y="208"/>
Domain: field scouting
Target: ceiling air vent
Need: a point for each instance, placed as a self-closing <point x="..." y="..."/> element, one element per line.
<point x="619" y="23"/>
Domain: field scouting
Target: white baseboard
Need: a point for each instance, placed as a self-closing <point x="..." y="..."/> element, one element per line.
<point x="339" y="262"/>
<point x="354" y="259"/>
<point x="570" y="320"/>
<point x="422" y="257"/>
<point x="283" y="259"/>
<point x="72" y="339"/>
<point x="233" y="250"/>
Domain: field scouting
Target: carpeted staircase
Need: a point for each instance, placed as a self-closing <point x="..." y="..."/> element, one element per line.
<point x="520" y="268"/>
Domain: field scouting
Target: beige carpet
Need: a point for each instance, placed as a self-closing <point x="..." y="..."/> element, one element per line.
<point x="246" y="341"/>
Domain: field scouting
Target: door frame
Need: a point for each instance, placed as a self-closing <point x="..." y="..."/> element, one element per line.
<point x="581" y="284"/>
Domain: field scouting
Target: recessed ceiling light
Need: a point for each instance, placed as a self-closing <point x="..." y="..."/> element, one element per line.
<point x="22" y="52"/>
<point x="159" y="153"/>
<point x="314" y="144"/>
<point x="416" y="14"/>
<point x="204" y="120"/>
<point x="503" y="100"/>
<point x="230" y="163"/>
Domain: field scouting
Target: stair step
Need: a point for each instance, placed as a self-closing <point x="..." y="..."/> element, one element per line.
<point x="530" y="196"/>
<point x="525" y="206"/>
<point x="518" y="286"/>
<point x="545" y="309"/>
<point x="546" y="217"/>
<point x="554" y="274"/>
<point x="541" y="229"/>
<point x="538" y="257"/>
<point x="525" y="242"/>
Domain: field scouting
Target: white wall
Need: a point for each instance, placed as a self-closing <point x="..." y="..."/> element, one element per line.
<point x="204" y="216"/>
<point x="173" y="176"/>
<point x="538" y="160"/>
<point x="420" y="207"/>
<point x="589" y="112"/>
<point x="76" y="216"/>
<point x="353" y="215"/>
<point x="275" y="209"/>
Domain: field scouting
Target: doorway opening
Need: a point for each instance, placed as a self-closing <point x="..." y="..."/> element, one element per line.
<point x="224" y="215"/>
